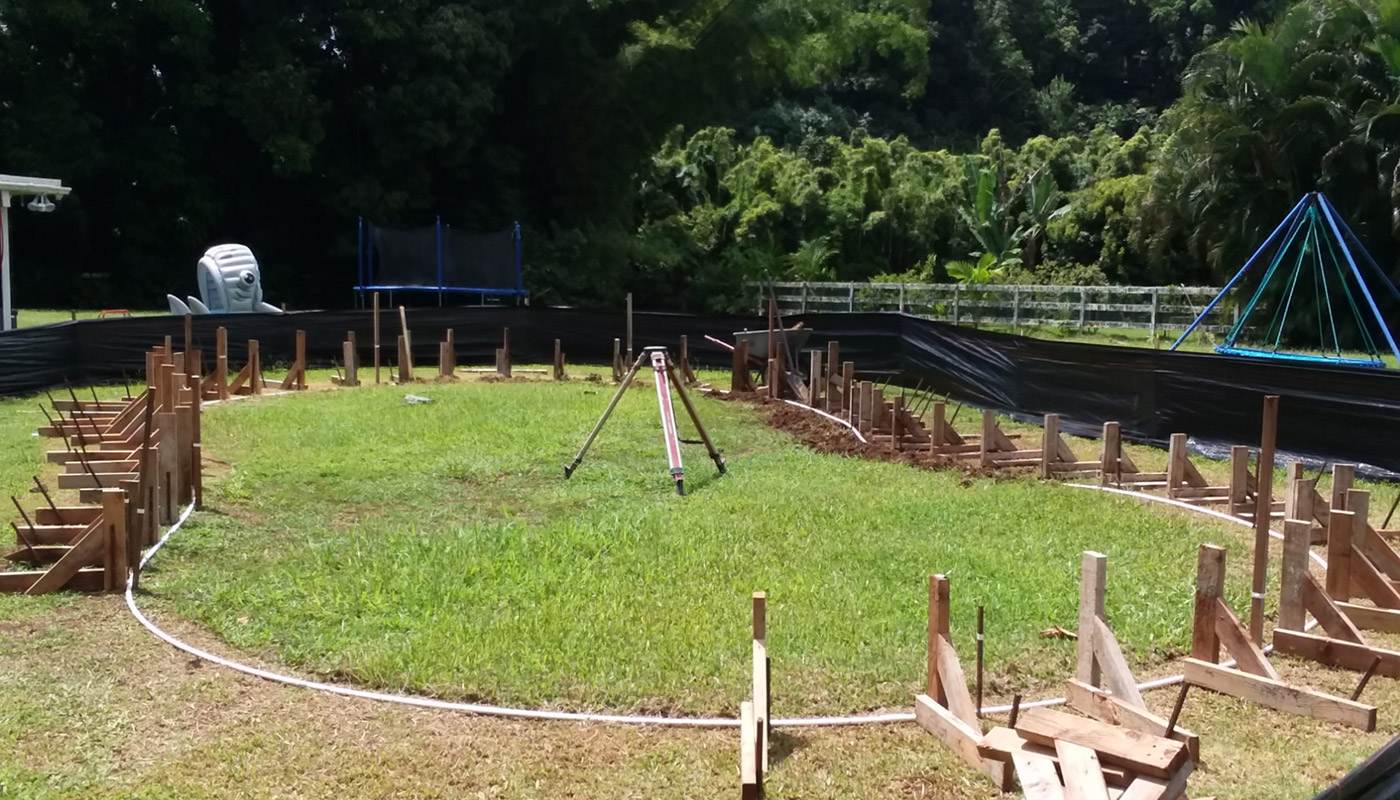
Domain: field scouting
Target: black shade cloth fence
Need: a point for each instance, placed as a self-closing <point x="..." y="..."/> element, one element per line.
<point x="1328" y="413"/>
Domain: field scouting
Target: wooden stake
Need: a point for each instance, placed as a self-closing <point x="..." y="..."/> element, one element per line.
<point x="1210" y="585"/>
<point x="896" y="415"/>
<point x="739" y="368"/>
<point x="617" y="361"/>
<point x="405" y="369"/>
<point x="407" y="351"/>
<point x="221" y="362"/>
<point x="114" y="522"/>
<point x="558" y="360"/>
<point x="1092" y="574"/>
<point x="451" y="352"/>
<point x="1340" y="525"/>
<point x="255" y="367"/>
<point x="376" y="337"/>
<point x="1111" y="468"/>
<point x="979" y="662"/>
<point x="814" y="380"/>
<point x="937" y="629"/>
<point x="1239" y="478"/>
<point x="352" y="376"/>
<point x="505" y="352"/>
<point x="1343" y="477"/>
<point x="1049" y="446"/>
<point x="1295" y="570"/>
<point x="832" y="390"/>
<point x="1263" y="512"/>
<point x="848" y="377"/>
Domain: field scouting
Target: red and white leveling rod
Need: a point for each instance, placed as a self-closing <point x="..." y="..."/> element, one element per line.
<point x="665" y="376"/>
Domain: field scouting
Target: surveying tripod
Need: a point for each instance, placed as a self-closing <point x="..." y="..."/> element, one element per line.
<point x="665" y="376"/>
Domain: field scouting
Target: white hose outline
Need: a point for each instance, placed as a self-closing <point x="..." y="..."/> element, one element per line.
<point x="622" y="719"/>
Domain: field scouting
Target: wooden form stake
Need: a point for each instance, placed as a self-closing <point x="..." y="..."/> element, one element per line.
<point x="618" y="370"/>
<point x="376" y="337"/>
<point x="739" y="380"/>
<point x="1255" y="679"/>
<point x="946" y="709"/>
<point x="406" y="349"/>
<point x="1263" y="513"/>
<point x="559" y="361"/>
<point x="221" y="363"/>
<point x="503" y="354"/>
<point x="814" y="380"/>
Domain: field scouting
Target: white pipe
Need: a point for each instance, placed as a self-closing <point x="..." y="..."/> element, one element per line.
<point x="622" y="719"/>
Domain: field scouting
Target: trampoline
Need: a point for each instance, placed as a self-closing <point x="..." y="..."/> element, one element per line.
<point x="441" y="260"/>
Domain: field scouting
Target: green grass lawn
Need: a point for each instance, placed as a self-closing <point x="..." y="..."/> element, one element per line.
<point x="29" y="317"/>
<point x="437" y="548"/>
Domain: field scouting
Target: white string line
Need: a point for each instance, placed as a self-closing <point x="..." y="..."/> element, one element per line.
<point x="623" y="719"/>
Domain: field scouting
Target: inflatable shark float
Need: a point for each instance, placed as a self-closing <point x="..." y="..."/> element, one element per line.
<point x="229" y="282"/>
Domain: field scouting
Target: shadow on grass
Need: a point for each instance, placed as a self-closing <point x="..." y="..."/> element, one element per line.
<point x="783" y="745"/>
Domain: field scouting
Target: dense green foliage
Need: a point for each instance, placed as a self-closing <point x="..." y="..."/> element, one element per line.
<point x="679" y="148"/>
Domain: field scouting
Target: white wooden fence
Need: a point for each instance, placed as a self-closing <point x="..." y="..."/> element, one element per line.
<point x="1149" y="308"/>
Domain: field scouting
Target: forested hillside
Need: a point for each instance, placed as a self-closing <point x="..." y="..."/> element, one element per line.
<point x="676" y="149"/>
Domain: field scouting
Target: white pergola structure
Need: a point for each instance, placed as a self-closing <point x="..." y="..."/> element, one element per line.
<point x="12" y="186"/>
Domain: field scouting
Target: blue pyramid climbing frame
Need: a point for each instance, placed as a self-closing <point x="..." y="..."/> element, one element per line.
<point x="1314" y="242"/>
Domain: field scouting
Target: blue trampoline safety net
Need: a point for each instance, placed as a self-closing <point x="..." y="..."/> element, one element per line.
<point x="439" y="258"/>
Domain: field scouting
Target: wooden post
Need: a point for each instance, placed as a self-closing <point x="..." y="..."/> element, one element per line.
<point x="617" y="361"/>
<point x="301" y="361"/>
<point x="896" y="432"/>
<point x="1239" y="478"/>
<point x="1340" y="525"/>
<point x="1359" y="504"/>
<point x="558" y="360"/>
<point x="1176" y="464"/>
<point x="1111" y="463"/>
<point x="984" y="447"/>
<point x="939" y="434"/>
<point x="255" y="367"/>
<point x="451" y="352"/>
<point x="184" y="421"/>
<point x="221" y="361"/>
<point x="1093" y="572"/>
<point x="1210" y="589"/>
<point x="1263" y="511"/>
<point x="832" y="390"/>
<point x="1294" y="572"/>
<point x="1049" y="446"/>
<point x="687" y="369"/>
<point x="814" y="380"/>
<point x="937" y="629"/>
<point x="376" y="337"/>
<point x="739" y="369"/>
<point x="405" y="370"/>
<point x="1293" y="493"/>
<point x="848" y="376"/>
<point x="867" y="407"/>
<point x="762" y="700"/>
<point x="1343" y="478"/>
<point x="407" y="350"/>
<point x="115" y="564"/>
<point x="445" y="349"/>
<point x="351" y="358"/>
<point x="504" y="366"/>
<point x="132" y="520"/>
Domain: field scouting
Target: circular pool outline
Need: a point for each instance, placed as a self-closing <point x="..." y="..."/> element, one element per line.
<point x="627" y="719"/>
